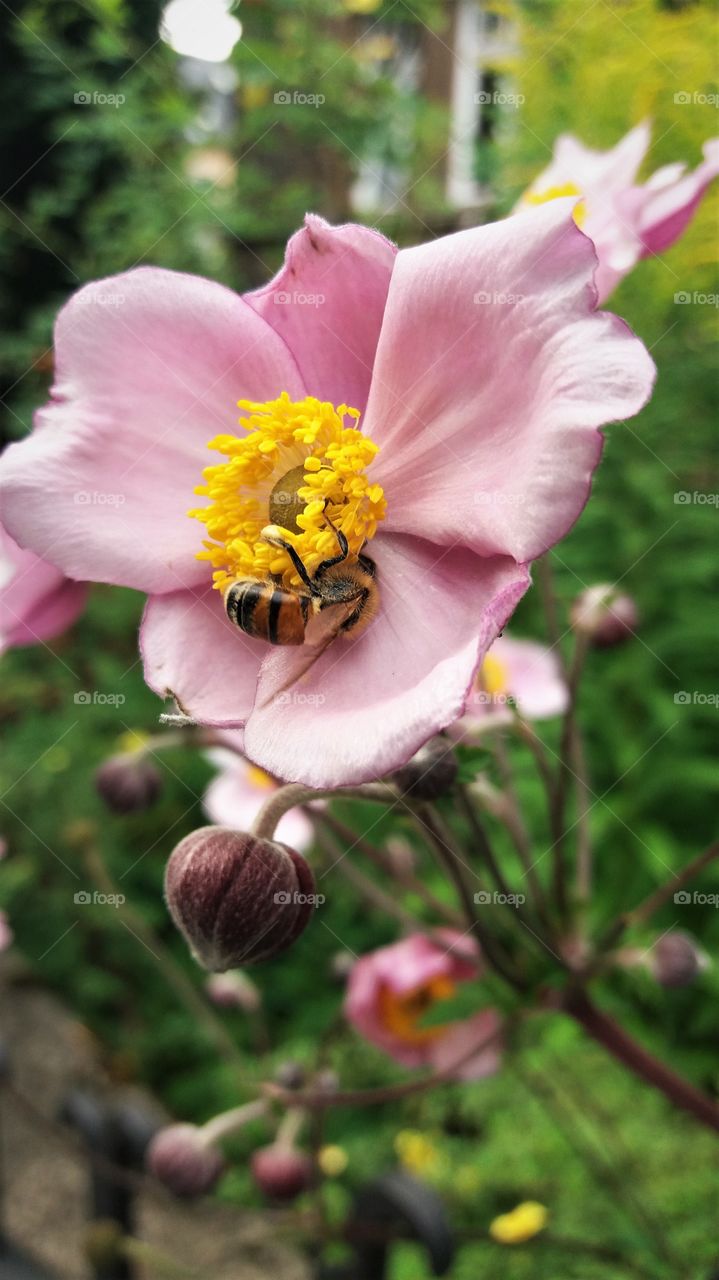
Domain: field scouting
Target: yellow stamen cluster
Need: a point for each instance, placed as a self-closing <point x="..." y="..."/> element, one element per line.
<point x="492" y="677"/>
<point x="296" y="452"/>
<point x="401" y="1014"/>
<point x="555" y="193"/>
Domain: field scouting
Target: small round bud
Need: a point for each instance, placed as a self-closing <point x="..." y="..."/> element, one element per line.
<point x="675" y="960"/>
<point x="290" y="1075"/>
<point x="326" y="1081"/>
<point x="181" y="1159"/>
<point x="280" y="1172"/>
<point x="234" y="990"/>
<point x="341" y="966"/>
<point x="603" y="615"/>
<point x="128" y="783"/>
<point x="430" y="773"/>
<point x="236" y="898"/>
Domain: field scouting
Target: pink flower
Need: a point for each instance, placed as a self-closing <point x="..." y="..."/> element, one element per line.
<point x="626" y="220"/>
<point x="237" y="793"/>
<point x="37" y="602"/>
<point x="480" y="434"/>
<point x="390" y="990"/>
<point x="521" y="672"/>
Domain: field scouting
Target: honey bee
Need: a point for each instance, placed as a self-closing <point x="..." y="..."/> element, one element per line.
<point x="266" y="611"/>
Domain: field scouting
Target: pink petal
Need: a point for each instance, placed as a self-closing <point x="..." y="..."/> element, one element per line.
<point x="191" y="650"/>
<point x="667" y="211"/>
<point x="150" y="366"/>
<point x="327" y="303"/>
<point x="486" y="412"/>
<point x="606" y="172"/>
<point x="367" y="704"/>
<point x="233" y="800"/>
<point x="534" y="680"/>
<point x="458" y="1041"/>
<point x="37" y="602"/>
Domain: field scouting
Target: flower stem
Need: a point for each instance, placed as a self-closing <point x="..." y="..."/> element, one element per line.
<point x="602" y="1028"/>
<point x="646" y="909"/>
<point x="231" y="1121"/>
<point x="295" y="794"/>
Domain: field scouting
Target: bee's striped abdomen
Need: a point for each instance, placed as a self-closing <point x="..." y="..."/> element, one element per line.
<point x="266" y="612"/>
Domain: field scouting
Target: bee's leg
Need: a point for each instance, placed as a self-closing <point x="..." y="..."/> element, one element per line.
<point x="270" y="534"/>
<point x="343" y="546"/>
<point x="356" y="613"/>
<point x="368" y="565"/>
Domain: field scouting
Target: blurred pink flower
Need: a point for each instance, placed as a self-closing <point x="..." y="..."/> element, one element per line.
<point x="482" y="374"/>
<point x="6" y="933"/>
<point x="391" y="989"/>
<point x="625" y="219"/>
<point x="239" y="790"/>
<point x="37" y="602"/>
<point x="521" y="672"/>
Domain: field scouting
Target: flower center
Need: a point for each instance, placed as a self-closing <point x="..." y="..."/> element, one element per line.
<point x="492" y="676"/>
<point x="555" y="193"/>
<point x="401" y="1013"/>
<point x="259" y="779"/>
<point x="298" y="467"/>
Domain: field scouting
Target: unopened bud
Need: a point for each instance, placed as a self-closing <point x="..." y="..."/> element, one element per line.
<point x="290" y="1075"/>
<point x="281" y="1172"/>
<point x="128" y="783"/>
<point x="234" y="990"/>
<point x="604" y="615"/>
<point x="236" y="898"/>
<point x="430" y="773"/>
<point x="675" y="960"/>
<point x="341" y="966"/>
<point x="326" y="1081"/>
<point x="183" y="1161"/>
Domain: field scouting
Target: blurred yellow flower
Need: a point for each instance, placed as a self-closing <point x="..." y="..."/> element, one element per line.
<point x="527" y="1220"/>
<point x="416" y="1152"/>
<point x="362" y="6"/>
<point x="132" y="740"/>
<point x="332" y="1160"/>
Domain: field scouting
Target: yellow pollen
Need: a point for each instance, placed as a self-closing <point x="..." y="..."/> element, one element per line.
<point x="401" y="1013"/>
<point x="555" y="193"/>
<point x="296" y="466"/>
<point x="493" y="676"/>
<point x="258" y="778"/>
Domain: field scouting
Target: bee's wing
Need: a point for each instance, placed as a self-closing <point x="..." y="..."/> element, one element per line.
<point x="341" y="613"/>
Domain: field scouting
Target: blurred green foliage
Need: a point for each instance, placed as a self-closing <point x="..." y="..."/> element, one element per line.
<point x="115" y="187"/>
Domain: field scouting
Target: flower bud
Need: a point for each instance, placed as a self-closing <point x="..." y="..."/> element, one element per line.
<point x="603" y="615"/>
<point x="290" y="1075"/>
<point x="430" y="773"/>
<point x="236" y="898"/>
<point x="675" y="960"/>
<point x="234" y="990"/>
<point x="281" y="1172"/>
<point x="181" y="1159"/>
<point x="341" y="966"/>
<point x="128" y="783"/>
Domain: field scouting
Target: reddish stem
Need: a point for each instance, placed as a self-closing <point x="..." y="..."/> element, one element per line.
<point x="620" y="1044"/>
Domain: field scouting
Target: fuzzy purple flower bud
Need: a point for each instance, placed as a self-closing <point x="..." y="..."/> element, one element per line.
<point x="128" y="783"/>
<point x="604" y="616"/>
<point x="675" y="960"/>
<point x="180" y="1158"/>
<point x="430" y="773"/>
<point x="236" y="898"/>
<point x="281" y="1172"/>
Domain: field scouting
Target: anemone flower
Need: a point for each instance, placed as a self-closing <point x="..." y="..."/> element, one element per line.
<point x="37" y="602"/>
<point x="518" y="672"/>
<point x="626" y="220"/>
<point x="6" y="933"/>
<point x="238" y="791"/>
<point x="480" y="373"/>
<point x="391" y="990"/>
